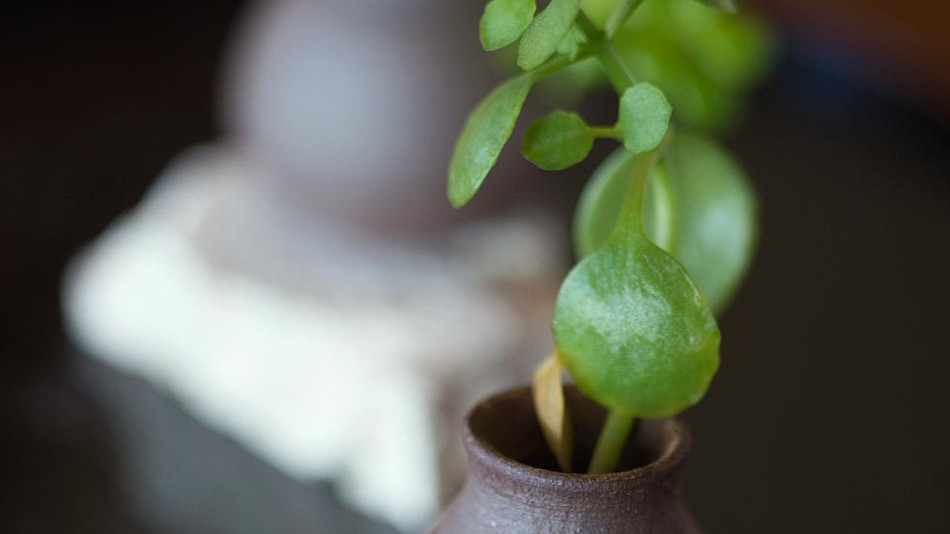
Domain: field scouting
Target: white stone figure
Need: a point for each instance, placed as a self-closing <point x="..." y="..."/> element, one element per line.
<point x="302" y="285"/>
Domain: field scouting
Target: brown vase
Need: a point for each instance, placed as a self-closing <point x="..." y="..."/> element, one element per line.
<point x="512" y="486"/>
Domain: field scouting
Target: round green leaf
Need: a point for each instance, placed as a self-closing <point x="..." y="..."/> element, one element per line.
<point x="504" y="21"/>
<point x="632" y="328"/>
<point x="546" y="32"/>
<point x="484" y="135"/>
<point x="644" y="117"/>
<point x="634" y="331"/>
<point x="718" y="213"/>
<point x="558" y="141"/>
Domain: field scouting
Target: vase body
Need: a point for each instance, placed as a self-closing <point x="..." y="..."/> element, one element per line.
<point x="511" y="486"/>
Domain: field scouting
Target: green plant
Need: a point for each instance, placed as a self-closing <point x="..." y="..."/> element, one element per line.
<point x="665" y="227"/>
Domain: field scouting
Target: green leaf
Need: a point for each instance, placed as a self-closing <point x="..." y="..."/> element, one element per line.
<point x="630" y="325"/>
<point x="558" y="141"/>
<point x="546" y="32"/>
<point x="484" y="135"/>
<point x="644" y="117"/>
<point x="570" y="45"/>
<point x="718" y="213"/>
<point x="725" y="5"/>
<point x="600" y="202"/>
<point x="504" y="21"/>
<point x="715" y="214"/>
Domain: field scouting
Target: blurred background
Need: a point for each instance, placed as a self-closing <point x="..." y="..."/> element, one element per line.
<point x="137" y="138"/>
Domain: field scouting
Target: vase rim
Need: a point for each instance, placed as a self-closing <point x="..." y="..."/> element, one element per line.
<point x="675" y="448"/>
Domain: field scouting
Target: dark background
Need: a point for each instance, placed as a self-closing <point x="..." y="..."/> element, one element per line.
<point x="829" y="413"/>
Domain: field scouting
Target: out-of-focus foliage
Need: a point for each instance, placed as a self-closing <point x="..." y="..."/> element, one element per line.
<point x="705" y="60"/>
<point x="714" y="228"/>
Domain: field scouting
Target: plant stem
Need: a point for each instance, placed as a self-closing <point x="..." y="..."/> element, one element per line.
<point x="588" y="29"/>
<point x="620" y="78"/>
<point x="606" y="132"/>
<point x="618" y="17"/>
<point x="610" y="443"/>
<point x="558" y="63"/>
<point x="601" y="45"/>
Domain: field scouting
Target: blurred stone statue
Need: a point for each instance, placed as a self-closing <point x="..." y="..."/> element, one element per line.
<point x="302" y="284"/>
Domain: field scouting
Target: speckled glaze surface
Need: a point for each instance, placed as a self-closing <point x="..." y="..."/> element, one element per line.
<point x="510" y="488"/>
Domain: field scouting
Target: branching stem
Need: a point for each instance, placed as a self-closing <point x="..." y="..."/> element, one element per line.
<point x="559" y="63"/>
<point x="613" y="66"/>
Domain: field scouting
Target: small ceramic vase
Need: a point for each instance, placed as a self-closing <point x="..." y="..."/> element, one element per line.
<point x="513" y="487"/>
